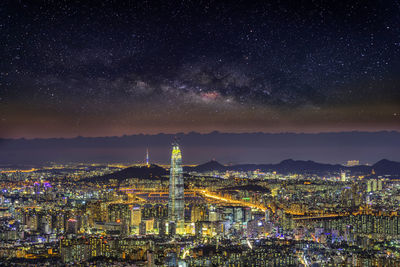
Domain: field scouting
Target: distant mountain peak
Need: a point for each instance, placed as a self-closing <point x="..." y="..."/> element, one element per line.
<point x="287" y="161"/>
<point x="382" y="167"/>
<point x="386" y="166"/>
<point x="384" y="161"/>
<point x="212" y="163"/>
<point x="208" y="166"/>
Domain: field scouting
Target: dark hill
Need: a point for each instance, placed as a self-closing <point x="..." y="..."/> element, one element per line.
<point x="286" y="166"/>
<point x="388" y="167"/>
<point x="383" y="167"/>
<point x="208" y="166"/>
<point x="301" y="166"/>
<point x="153" y="172"/>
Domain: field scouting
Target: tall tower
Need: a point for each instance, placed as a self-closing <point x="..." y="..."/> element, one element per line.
<point x="147" y="158"/>
<point x="176" y="195"/>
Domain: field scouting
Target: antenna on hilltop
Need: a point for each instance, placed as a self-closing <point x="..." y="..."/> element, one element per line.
<point x="147" y="158"/>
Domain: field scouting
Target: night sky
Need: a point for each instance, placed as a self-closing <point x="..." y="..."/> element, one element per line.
<point x="113" y="68"/>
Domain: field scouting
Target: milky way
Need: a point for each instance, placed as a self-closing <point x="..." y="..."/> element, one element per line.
<point x="146" y="67"/>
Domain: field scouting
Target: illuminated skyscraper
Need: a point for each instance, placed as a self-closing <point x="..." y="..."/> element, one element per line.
<point x="351" y="163"/>
<point x="343" y="176"/>
<point x="176" y="194"/>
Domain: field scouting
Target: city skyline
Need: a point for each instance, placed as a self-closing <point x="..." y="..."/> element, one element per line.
<point x="286" y="214"/>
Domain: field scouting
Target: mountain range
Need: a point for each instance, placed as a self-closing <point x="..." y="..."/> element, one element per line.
<point x="382" y="167"/>
<point x="236" y="148"/>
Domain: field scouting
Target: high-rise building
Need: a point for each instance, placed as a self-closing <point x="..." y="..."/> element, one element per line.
<point x="72" y="226"/>
<point x="343" y="176"/>
<point x="351" y="163"/>
<point x="120" y="213"/>
<point x="198" y="213"/>
<point x="380" y="184"/>
<point x="149" y="225"/>
<point x="142" y="228"/>
<point x="369" y="186"/>
<point x="176" y="194"/>
<point x="162" y="229"/>
<point x="136" y="216"/>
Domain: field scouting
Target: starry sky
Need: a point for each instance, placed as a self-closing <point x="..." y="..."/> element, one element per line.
<point x="74" y="68"/>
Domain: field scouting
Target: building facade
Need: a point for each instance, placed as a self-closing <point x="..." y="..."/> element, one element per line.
<point x="176" y="191"/>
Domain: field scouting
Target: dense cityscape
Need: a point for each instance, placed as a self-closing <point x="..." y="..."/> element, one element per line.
<point x="186" y="133"/>
<point x="145" y="215"/>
